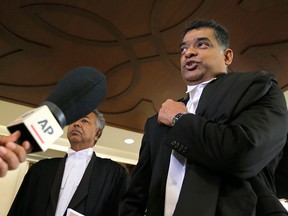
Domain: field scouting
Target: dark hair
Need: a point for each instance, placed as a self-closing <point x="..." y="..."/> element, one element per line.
<point x="220" y="32"/>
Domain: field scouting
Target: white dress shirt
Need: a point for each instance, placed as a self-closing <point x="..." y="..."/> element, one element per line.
<point x="76" y="164"/>
<point x="177" y="164"/>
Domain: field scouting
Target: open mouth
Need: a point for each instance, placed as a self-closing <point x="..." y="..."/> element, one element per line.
<point x="191" y="65"/>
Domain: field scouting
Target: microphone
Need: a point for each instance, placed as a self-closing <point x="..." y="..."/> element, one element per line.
<point x="76" y="95"/>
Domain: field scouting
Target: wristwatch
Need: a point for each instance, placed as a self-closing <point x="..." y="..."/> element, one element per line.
<point x="176" y="118"/>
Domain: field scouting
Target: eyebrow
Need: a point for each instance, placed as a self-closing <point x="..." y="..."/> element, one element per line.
<point x="86" y="117"/>
<point x="194" y="39"/>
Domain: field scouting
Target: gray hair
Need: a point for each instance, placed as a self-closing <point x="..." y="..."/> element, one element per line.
<point x="101" y="122"/>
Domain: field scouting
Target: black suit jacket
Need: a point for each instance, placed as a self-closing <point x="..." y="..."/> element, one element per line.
<point x="232" y="146"/>
<point x="98" y="193"/>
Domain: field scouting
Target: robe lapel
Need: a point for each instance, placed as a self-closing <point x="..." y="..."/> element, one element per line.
<point x="160" y="171"/>
<point x="199" y="190"/>
<point x="83" y="188"/>
<point x="54" y="194"/>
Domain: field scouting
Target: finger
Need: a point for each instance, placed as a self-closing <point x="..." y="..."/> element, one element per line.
<point x="10" y="138"/>
<point x="9" y="157"/>
<point x="3" y="168"/>
<point x="27" y="146"/>
<point x="4" y="139"/>
<point x="15" y="136"/>
<point x="18" y="150"/>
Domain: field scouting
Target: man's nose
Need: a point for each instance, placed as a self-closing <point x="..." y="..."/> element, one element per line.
<point x="191" y="51"/>
<point x="77" y="124"/>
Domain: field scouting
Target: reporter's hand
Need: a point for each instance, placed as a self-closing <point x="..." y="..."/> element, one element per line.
<point x="11" y="153"/>
<point x="169" y="109"/>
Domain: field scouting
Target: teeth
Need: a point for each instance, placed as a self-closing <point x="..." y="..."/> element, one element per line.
<point x="190" y="63"/>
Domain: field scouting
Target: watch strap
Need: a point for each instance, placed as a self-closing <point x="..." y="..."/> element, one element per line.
<point x="176" y="118"/>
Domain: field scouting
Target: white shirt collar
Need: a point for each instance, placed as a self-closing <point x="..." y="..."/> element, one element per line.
<point x="80" y="154"/>
<point x="192" y="87"/>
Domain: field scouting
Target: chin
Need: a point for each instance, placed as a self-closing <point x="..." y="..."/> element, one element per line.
<point x="74" y="140"/>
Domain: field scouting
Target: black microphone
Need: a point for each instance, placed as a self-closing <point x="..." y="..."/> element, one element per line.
<point x="76" y="95"/>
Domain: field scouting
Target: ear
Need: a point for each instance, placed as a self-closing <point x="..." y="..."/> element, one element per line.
<point x="228" y="55"/>
<point x="98" y="134"/>
<point x="96" y="138"/>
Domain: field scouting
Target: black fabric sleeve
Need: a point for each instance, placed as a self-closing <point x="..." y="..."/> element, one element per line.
<point x="135" y="199"/>
<point x="242" y="144"/>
